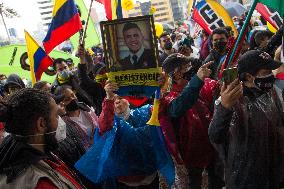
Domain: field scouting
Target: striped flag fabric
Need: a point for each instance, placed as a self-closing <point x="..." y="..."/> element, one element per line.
<point x="65" y="23"/>
<point x="39" y="60"/>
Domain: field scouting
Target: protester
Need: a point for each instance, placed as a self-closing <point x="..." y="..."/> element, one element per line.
<point x="185" y="116"/>
<point x="247" y="126"/>
<point x="77" y="141"/>
<point x="31" y="117"/>
<point x="204" y="47"/>
<point x="94" y="89"/>
<point x="166" y="45"/>
<point x="43" y="85"/>
<point x="193" y="64"/>
<point x="126" y="142"/>
<point x="13" y="84"/>
<point x="78" y="115"/>
<point x="218" y="53"/>
<point x="274" y="42"/>
<point x="65" y="77"/>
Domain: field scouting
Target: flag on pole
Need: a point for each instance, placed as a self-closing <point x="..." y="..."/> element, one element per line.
<point x="270" y="15"/>
<point x="65" y="23"/>
<point x="210" y="14"/>
<point x="113" y="8"/>
<point x="277" y="5"/>
<point x="39" y="60"/>
<point x="190" y="7"/>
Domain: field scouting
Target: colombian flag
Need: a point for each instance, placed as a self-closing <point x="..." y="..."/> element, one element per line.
<point x="65" y="23"/>
<point x="112" y="8"/>
<point x="39" y="60"/>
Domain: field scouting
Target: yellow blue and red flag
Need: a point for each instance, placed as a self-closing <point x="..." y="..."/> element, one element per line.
<point x="113" y="8"/>
<point x="65" y="23"/>
<point x="39" y="60"/>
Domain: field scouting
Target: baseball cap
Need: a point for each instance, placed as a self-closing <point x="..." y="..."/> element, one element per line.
<point x="174" y="61"/>
<point x="253" y="61"/>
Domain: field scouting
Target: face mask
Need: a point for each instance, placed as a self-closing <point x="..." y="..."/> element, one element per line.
<point x="125" y="115"/>
<point x="64" y="76"/>
<point x="220" y="46"/>
<point x="236" y="24"/>
<point x="60" y="134"/>
<point x="72" y="106"/>
<point x="265" y="83"/>
<point x="168" y="45"/>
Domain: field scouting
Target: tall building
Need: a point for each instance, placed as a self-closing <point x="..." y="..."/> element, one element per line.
<point x="164" y="11"/>
<point x="45" y="9"/>
<point x="12" y="32"/>
<point x="163" y="14"/>
<point x="177" y="9"/>
<point x="136" y="11"/>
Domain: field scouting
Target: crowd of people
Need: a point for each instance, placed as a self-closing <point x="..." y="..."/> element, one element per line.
<point x="77" y="133"/>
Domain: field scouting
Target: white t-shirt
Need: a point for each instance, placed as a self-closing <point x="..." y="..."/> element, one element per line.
<point x="84" y="122"/>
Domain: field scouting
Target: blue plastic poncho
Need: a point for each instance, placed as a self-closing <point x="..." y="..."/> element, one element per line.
<point x="131" y="148"/>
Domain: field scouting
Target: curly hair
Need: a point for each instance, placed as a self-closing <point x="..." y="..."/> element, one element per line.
<point x="20" y="111"/>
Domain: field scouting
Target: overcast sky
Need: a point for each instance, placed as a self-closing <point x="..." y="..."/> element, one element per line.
<point x="29" y="15"/>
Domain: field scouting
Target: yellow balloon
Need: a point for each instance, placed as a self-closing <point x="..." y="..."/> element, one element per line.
<point x="153" y="10"/>
<point x="127" y="4"/>
<point x="159" y="29"/>
<point x="271" y="28"/>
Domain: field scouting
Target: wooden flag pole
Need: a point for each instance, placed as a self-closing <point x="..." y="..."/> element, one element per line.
<point x="82" y="40"/>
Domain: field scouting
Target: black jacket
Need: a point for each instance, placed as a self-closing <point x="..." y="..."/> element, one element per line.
<point x="146" y="60"/>
<point x="274" y="42"/>
<point x="94" y="90"/>
<point x="250" y="139"/>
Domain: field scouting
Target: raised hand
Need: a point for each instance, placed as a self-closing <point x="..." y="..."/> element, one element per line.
<point x="204" y="72"/>
<point x="231" y="94"/>
<point x="110" y="87"/>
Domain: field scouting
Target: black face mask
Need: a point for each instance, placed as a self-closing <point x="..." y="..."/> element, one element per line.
<point x="168" y="45"/>
<point x="72" y="106"/>
<point x="265" y="83"/>
<point x="220" y="46"/>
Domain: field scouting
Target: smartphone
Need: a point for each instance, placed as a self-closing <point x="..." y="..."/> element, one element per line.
<point x="230" y="74"/>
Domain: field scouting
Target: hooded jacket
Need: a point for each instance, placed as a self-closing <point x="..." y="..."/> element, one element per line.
<point x="14" y="79"/>
<point x="249" y="138"/>
<point x="184" y="117"/>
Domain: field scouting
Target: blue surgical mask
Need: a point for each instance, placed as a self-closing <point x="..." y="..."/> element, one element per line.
<point x="64" y="76"/>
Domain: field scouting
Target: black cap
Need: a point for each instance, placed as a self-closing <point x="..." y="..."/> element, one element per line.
<point x="253" y="61"/>
<point x="174" y="61"/>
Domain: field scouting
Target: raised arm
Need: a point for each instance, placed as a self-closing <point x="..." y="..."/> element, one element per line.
<point x="220" y="124"/>
<point x="190" y="93"/>
<point x="107" y="115"/>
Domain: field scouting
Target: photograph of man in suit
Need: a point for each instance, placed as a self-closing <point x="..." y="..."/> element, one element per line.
<point x="139" y="57"/>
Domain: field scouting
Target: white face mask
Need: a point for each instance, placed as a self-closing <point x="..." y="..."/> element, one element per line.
<point x="60" y="132"/>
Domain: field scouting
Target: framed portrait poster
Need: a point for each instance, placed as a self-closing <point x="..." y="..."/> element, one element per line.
<point x="131" y="54"/>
